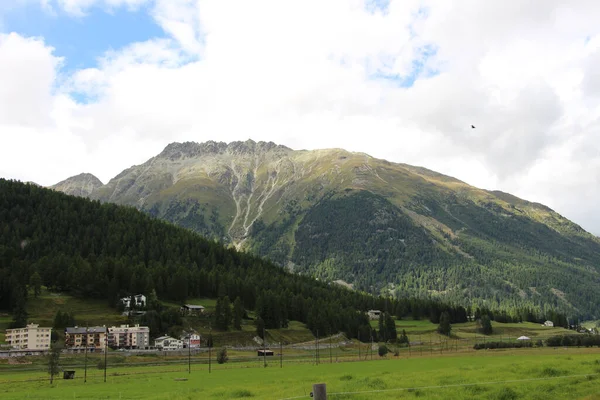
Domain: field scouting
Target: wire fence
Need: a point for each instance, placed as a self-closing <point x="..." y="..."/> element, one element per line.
<point x="319" y="352"/>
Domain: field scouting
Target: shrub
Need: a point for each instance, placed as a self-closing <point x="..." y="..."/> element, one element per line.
<point x="222" y="357"/>
<point x="383" y="350"/>
<point x="502" y="345"/>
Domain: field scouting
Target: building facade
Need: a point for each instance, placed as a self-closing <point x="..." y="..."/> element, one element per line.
<point x="168" y="343"/>
<point x="139" y="300"/>
<point x="32" y="337"/>
<point x="190" y="338"/>
<point x="129" y="337"/>
<point x="191" y="309"/>
<point x="80" y="338"/>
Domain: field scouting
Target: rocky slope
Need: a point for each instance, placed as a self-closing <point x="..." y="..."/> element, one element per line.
<point x="82" y="185"/>
<point x="378" y="225"/>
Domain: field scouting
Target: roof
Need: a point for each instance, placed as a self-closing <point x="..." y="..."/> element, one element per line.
<point x="160" y="339"/>
<point x="523" y="338"/>
<point x="93" y="329"/>
<point x="193" y="306"/>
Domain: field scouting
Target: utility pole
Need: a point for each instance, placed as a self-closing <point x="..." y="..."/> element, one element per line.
<point x="371" y="347"/>
<point x="358" y="335"/>
<point x="280" y="354"/>
<point x="105" y="353"/>
<point x="209" y="345"/>
<point x="189" y="353"/>
<point x="317" y="347"/>
<point x="330" y="356"/>
<point x="86" y="346"/>
<point x="264" y="348"/>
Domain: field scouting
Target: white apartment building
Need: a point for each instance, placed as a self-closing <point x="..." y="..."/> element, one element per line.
<point x="129" y="337"/>
<point x="32" y="337"/>
<point x="168" y="343"/>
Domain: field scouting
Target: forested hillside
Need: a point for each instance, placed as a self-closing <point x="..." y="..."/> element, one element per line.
<point x="95" y="250"/>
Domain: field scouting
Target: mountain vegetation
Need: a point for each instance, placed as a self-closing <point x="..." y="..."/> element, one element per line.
<point x="379" y="227"/>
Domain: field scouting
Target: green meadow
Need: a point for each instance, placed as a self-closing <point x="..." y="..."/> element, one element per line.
<point x="517" y="374"/>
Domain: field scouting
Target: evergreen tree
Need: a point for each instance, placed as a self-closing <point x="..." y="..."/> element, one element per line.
<point x="444" y="327"/>
<point x="485" y="325"/>
<point x="382" y="330"/>
<point x="223" y="313"/>
<point x="53" y="360"/>
<point x="36" y="283"/>
<point x="390" y="328"/>
<point x="238" y="313"/>
<point x="260" y="327"/>
<point x="19" y="312"/>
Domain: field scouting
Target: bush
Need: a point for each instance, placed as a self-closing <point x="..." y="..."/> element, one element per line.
<point x="222" y="357"/>
<point x="503" y="345"/>
<point x="573" y="340"/>
<point x="383" y="350"/>
<point x="101" y="364"/>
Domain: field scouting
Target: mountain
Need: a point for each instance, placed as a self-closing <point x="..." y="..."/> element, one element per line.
<point x="380" y="226"/>
<point x="80" y="185"/>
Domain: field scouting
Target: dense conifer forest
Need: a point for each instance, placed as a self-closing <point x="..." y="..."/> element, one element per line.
<point x="93" y="250"/>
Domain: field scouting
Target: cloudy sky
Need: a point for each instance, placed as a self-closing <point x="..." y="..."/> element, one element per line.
<point x="100" y="85"/>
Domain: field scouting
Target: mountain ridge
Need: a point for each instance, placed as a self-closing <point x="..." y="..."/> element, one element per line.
<point x="413" y="230"/>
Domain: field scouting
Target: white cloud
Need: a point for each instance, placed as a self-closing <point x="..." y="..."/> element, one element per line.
<point x="301" y="73"/>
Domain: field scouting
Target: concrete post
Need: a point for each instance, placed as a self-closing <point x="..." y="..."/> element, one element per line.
<point x="320" y="391"/>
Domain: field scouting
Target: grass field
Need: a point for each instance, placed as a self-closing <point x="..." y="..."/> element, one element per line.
<point x="517" y="374"/>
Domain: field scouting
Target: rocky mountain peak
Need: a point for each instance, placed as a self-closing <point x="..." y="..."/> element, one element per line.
<point x="79" y="185"/>
<point x="176" y="150"/>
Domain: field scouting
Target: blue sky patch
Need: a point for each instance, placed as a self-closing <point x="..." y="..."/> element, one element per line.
<point x="374" y="6"/>
<point x="82" y="40"/>
<point x="418" y="70"/>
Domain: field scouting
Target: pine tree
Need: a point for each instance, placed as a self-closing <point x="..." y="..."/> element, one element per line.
<point x="390" y="328"/>
<point x="260" y="327"/>
<point x="238" y="313"/>
<point x="382" y="331"/>
<point x="36" y="283"/>
<point x="444" y="327"/>
<point x="53" y="361"/>
<point x="485" y="324"/>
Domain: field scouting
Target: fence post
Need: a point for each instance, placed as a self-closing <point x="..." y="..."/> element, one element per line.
<point x="320" y="391"/>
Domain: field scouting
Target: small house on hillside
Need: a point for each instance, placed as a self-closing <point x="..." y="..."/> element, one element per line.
<point x="190" y="338"/>
<point x="139" y="300"/>
<point x="523" y="338"/>
<point x="191" y="309"/>
<point x="549" y="323"/>
<point x="373" y="314"/>
<point x="168" y="343"/>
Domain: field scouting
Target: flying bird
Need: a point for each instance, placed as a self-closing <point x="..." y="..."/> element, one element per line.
<point x="472" y="126"/>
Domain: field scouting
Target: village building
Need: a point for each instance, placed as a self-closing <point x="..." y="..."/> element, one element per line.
<point x="32" y="337"/>
<point x="139" y="300"/>
<point x="373" y="314"/>
<point x="79" y="338"/>
<point x="549" y="323"/>
<point x="129" y="337"/>
<point x="191" y="309"/>
<point x="168" y="343"/>
<point x="190" y="338"/>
